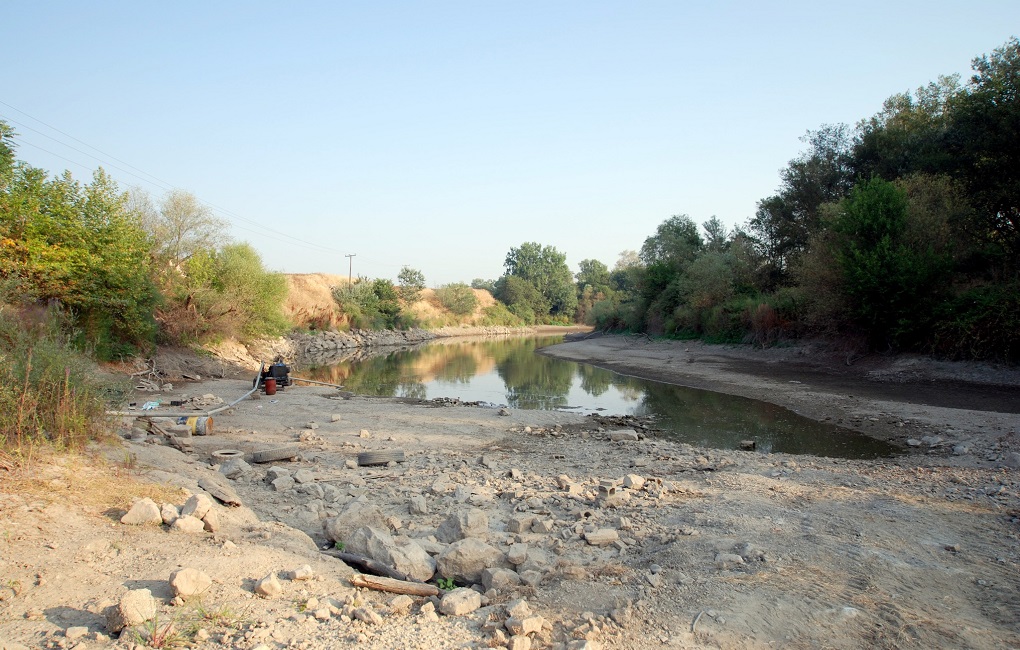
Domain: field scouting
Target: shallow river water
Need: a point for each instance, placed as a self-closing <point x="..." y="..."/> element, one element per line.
<point x="506" y="371"/>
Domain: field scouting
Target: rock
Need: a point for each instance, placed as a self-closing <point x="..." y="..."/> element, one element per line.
<point x="621" y="436"/>
<point x="188" y="525"/>
<point x="135" y="607"/>
<point x="520" y="523"/>
<point x="531" y="577"/>
<point x="283" y="483"/>
<point x="519" y="643"/>
<point x="913" y="442"/>
<point x="463" y="524"/>
<point x="211" y="522"/>
<point x="517" y="554"/>
<point x="464" y="561"/>
<point x="269" y="587"/>
<point x="543" y="526"/>
<point x="220" y="492"/>
<point x="519" y="609"/>
<point x="499" y="579"/>
<point x="602" y="537"/>
<point x="504" y="412"/>
<point x="76" y="632"/>
<point x="312" y="425"/>
<point x="356" y="514"/>
<point x="303" y="572"/>
<point x="525" y="625"/>
<point x="405" y="556"/>
<point x="196" y="506"/>
<point x="235" y="468"/>
<point x="364" y="434"/>
<point x="417" y="505"/>
<point x="727" y="560"/>
<point x="961" y="450"/>
<point x="609" y="497"/>
<point x="169" y="513"/>
<point x="304" y="476"/>
<point x="368" y="615"/>
<point x="335" y="417"/>
<point x="189" y="582"/>
<point x="143" y="511"/>
<point x="276" y="472"/>
<point x="401" y="605"/>
<point x="654" y="579"/>
<point x="633" y="481"/>
<point x="460" y="602"/>
<point x="584" y="644"/>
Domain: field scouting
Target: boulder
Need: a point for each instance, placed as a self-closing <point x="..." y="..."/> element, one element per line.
<point x="405" y="556"/>
<point x="188" y="524"/>
<point x="196" y="506"/>
<point x="356" y="514"/>
<point x="135" y="607"/>
<point x="499" y="579"/>
<point x="461" y="525"/>
<point x="143" y="511"/>
<point x="464" y="561"/>
<point x="269" y="587"/>
<point x="189" y="582"/>
<point x="460" y="602"/>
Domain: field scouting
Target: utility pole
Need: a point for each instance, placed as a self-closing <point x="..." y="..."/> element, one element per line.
<point x="350" y="268"/>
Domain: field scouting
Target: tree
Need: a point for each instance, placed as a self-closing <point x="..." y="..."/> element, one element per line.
<point x="411" y="284"/>
<point x="888" y="283"/>
<point x="545" y="269"/>
<point x="675" y="243"/>
<point x="717" y="239"/>
<point x="182" y="227"/>
<point x="594" y="274"/>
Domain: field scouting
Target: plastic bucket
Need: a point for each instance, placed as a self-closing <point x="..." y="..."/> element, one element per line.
<point x="270" y="385"/>
<point x="200" y="426"/>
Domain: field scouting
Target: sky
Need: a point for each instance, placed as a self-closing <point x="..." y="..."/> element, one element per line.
<point x="439" y="135"/>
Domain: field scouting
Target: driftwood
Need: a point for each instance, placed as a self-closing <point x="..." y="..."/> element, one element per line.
<point x="368" y="565"/>
<point x="394" y="586"/>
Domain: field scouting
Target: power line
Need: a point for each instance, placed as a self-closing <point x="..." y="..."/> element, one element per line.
<point x="156" y="182"/>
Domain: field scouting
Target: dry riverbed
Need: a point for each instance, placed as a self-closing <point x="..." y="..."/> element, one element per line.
<point x="626" y="543"/>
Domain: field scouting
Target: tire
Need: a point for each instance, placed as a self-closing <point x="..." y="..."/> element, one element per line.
<point x="380" y="457"/>
<point x="280" y="453"/>
<point x="223" y="455"/>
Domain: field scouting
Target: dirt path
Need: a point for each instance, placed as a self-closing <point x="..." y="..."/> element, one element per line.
<point x="705" y="548"/>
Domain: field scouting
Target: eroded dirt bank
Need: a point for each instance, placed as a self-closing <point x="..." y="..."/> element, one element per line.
<point x="690" y="548"/>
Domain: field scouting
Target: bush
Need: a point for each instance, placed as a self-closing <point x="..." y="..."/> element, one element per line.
<point x="982" y="323"/>
<point x="498" y="315"/>
<point x="372" y="304"/>
<point x="49" y="394"/>
<point x="459" y="298"/>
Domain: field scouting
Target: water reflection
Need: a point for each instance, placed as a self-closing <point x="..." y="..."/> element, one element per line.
<point x="507" y="371"/>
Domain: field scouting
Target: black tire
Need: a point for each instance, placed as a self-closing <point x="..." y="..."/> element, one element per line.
<point x="280" y="453"/>
<point x="223" y="455"/>
<point x="380" y="457"/>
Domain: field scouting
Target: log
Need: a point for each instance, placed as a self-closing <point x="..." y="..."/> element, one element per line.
<point x="368" y="565"/>
<point x="394" y="586"/>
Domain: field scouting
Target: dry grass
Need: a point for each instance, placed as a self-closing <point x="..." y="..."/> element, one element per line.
<point x="85" y="481"/>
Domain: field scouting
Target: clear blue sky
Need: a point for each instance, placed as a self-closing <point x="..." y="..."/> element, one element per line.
<point x="440" y="134"/>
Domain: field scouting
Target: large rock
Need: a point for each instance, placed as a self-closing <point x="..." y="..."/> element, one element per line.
<point x="404" y="555"/>
<point x="189" y="582"/>
<point x="460" y="602"/>
<point x="500" y="579"/>
<point x="135" y="607"/>
<point x="356" y="514"/>
<point x="144" y="511"/>
<point x="463" y="524"/>
<point x="196" y="506"/>
<point x="464" y="561"/>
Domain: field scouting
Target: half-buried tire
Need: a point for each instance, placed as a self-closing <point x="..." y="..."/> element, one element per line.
<point x="280" y="453"/>
<point x="366" y="458"/>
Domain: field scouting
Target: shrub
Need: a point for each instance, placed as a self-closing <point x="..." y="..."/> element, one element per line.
<point x="982" y="323"/>
<point x="49" y="394"/>
<point x="499" y="315"/>
<point x="458" y="297"/>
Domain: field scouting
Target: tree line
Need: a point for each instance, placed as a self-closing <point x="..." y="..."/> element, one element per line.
<point x="124" y="271"/>
<point x="899" y="233"/>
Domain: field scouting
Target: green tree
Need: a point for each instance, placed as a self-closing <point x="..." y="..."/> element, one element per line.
<point x="889" y="284"/>
<point x="411" y="284"/>
<point x="545" y="269"/>
<point x="182" y="227"/>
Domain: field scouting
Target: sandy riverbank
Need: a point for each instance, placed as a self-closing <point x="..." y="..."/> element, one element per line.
<point x="705" y="548"/>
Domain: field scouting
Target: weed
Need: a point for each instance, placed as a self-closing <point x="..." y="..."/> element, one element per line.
<point x="446" y="584"/>
<point x="340" y="546"/>
<point x="160" y="635"/>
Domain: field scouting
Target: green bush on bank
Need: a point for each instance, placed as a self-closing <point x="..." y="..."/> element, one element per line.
<point x="49" y="394"/>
